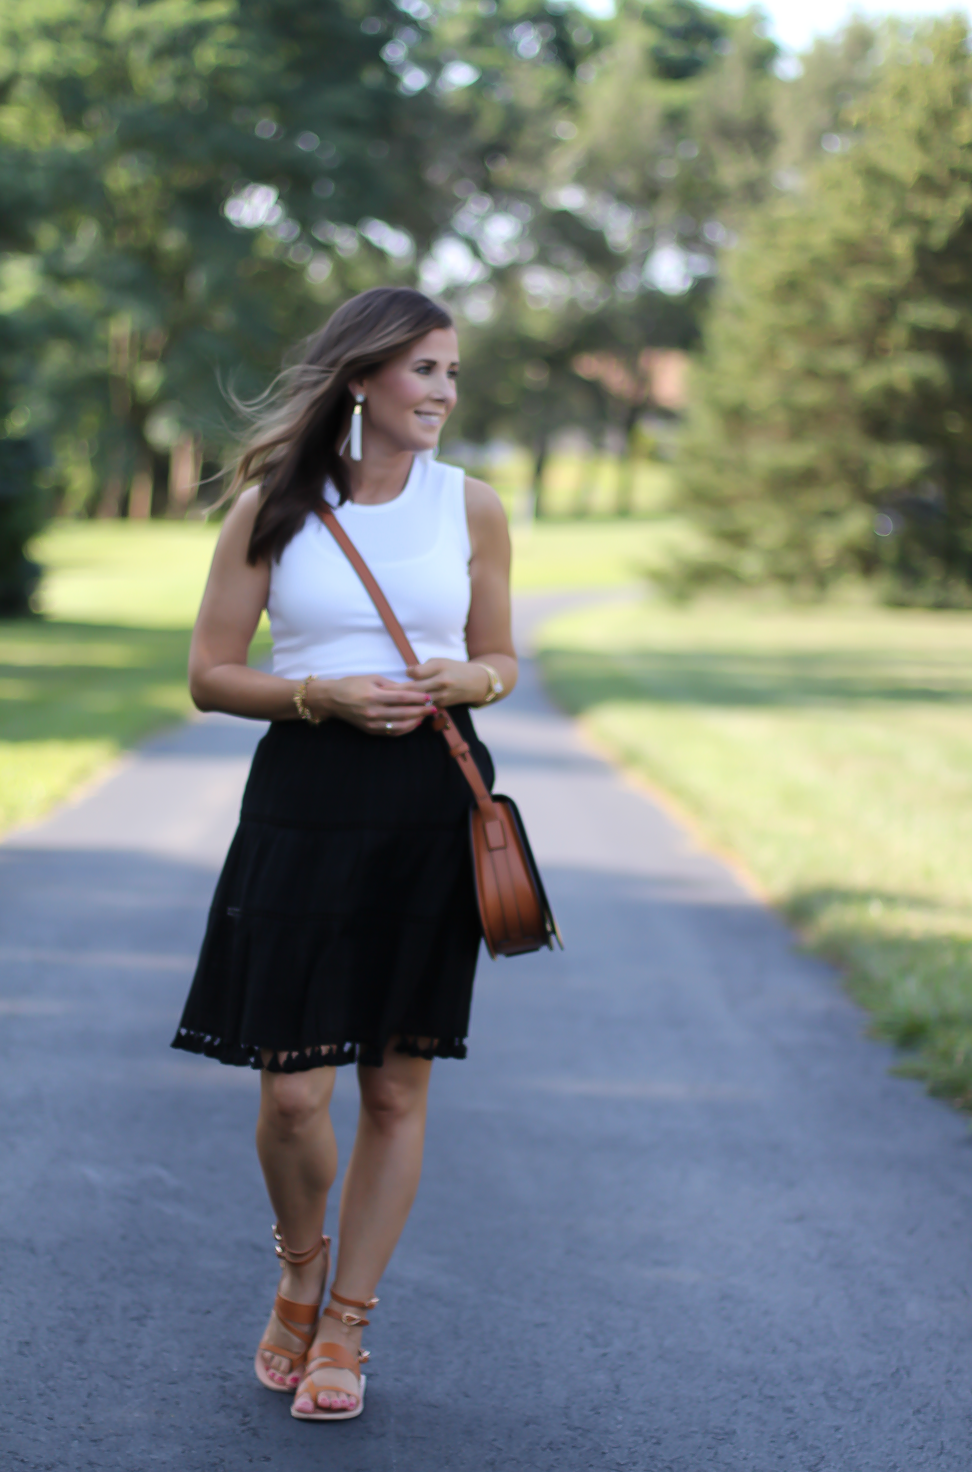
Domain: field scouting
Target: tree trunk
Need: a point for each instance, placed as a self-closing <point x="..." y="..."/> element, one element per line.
<point x="539" y="466"/>
<point x="140" y="495"/>
<point x="184" y="465"/>
<point x="582" y="485"/>
<point x="110" y="501"/>
<point x="160" y="483"/>
<point x="626" y="464"/>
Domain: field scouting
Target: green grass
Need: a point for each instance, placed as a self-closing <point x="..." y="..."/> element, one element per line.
<point x="611" y="553"/>
<point x="582" y="485"/>
<point x="105" y="663"/>
<point x="72" y="696"/>
<point x="831" y="750"/>
<point x="146" y="575"/>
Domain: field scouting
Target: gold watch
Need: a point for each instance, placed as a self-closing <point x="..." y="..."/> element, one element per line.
<point x="496" y="686"/>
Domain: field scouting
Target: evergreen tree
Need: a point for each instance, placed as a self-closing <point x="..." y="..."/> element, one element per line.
<point x="831" y="430"/>
<point x="812" y="109"/>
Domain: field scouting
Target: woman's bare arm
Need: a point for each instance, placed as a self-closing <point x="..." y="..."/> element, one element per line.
<point x="219" y="677"/>
<point x="488" y="635"/>
<point x="235" y="597"/>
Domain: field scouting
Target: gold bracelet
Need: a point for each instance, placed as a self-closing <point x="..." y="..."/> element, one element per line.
<point x="302" y="710"/>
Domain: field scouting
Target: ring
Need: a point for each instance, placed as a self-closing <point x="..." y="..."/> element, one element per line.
<point x="389" y="726"/>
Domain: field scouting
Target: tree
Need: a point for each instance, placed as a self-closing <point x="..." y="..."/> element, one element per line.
<point x="221" y="151"/>
<point x="37" y="172"/>
<point x="831" y="431"/>
<point x="518" y="379"/>
<point x="599" y="226"/>
<point x="230" y="169"/>
<point x="813" y="107"/>
<point x="603" y="219"/>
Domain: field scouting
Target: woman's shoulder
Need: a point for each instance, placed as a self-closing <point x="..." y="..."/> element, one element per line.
<point x="238" y="522"/>
<point x="482" y="501"/>
<point x="246" y="505"/>
<point x="488" y="528"/>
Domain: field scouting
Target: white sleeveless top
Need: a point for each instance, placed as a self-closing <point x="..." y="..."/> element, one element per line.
<point x="322" y="620"/>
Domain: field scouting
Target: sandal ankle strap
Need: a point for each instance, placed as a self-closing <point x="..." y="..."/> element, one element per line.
<point x="350" y="1321"/>
<point x="296" y="1259"/>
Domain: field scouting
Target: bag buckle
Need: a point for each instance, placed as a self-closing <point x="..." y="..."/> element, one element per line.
<point x="495" y="833"/>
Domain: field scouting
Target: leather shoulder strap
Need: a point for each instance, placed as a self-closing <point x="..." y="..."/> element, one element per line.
<point x="377" y="597"/>
<point x="495" y="836"/>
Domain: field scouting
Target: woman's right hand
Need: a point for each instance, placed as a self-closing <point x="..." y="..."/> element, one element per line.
<point x="373" y="704"/>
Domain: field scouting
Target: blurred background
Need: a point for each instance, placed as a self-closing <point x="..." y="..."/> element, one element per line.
<point x="712" y="270"/>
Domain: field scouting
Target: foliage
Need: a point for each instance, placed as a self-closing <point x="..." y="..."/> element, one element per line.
<point x="21" y="515"/>
<point x="231" y="168"/>
<point x="659" y="157"/>
<point x="560" y="264"/>
<point x="600" y="231"/>
<point x="205" y="180"/>
<point x="28" y="186"/>
<point x="203" y="139"/>
<point x="782" y="731"/>
<point x="812" y="111"/>
<point x="830" y="432"/>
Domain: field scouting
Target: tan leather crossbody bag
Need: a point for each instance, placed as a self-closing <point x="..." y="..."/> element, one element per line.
<point x="513" y="907"/>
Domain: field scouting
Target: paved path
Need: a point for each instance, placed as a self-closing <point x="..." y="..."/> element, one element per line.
<point x="676" y="1214"/>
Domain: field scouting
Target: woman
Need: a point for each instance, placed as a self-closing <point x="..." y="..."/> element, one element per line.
<point x="344" y="925"/>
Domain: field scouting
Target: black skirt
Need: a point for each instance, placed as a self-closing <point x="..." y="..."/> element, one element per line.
<point x="345" y="915"/>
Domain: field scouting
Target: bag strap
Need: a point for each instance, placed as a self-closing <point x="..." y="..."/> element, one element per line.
<point x="458" y="748"/>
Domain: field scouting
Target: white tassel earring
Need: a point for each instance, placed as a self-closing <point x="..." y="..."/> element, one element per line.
<point x="356" y="427"/>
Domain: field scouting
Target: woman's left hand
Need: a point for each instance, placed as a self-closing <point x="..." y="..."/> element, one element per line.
<point x="451" y="681"/>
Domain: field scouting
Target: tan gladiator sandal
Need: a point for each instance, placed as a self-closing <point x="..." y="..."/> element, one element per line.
<point x="327" y="1356"/>
<point x="299" y="1319"/>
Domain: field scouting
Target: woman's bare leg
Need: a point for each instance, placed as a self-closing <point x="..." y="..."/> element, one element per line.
<point x="379" y="1189"/>
<point x="298" y="1153"/>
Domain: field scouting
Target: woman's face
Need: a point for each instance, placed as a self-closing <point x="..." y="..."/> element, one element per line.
<point x="410" y="397"/>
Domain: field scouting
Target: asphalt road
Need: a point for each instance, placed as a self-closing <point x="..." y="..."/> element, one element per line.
<point x="676" y="1214"/>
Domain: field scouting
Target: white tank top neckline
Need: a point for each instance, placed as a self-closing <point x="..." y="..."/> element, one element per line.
<point x="417" y="545"/>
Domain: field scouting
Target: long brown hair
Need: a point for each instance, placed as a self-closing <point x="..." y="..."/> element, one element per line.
<point x="293" y="445"/>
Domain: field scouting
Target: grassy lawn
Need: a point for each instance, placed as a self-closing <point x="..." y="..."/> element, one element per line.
<point x="105" y="664"/>
<point x="607" y="553"/>
<point x="582" y="485"/>
<point x="831" y="750"/>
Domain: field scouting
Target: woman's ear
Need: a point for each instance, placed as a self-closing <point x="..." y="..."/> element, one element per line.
<point x="356" y="386"/>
